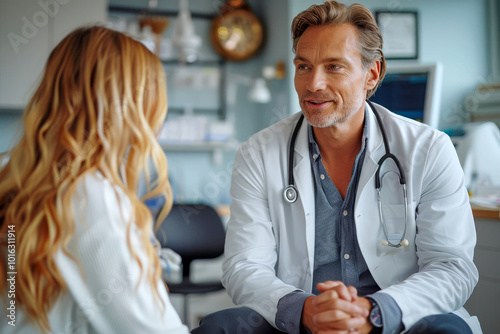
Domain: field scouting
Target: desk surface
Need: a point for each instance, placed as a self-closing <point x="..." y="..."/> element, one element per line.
<point x="480" y="212"/>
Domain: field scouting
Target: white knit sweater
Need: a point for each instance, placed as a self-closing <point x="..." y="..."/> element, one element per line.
<point x="105" y="296"/>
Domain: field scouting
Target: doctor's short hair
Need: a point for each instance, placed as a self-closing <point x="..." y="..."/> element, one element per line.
<point x="370" y="40"/>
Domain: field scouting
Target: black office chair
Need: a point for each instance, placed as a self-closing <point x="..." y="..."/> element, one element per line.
<point x="194" y="231"/>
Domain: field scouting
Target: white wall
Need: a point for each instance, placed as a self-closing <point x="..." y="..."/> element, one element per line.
<point x="8" y="129"/>
<point x="453" y="32"/>
<point x="40" y="27"/>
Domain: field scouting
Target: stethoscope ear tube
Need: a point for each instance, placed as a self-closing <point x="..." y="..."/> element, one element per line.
<point x="402" y="178"/>
<point x="378" y="185"/>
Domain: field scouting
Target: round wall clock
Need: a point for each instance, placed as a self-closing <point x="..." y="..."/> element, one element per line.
<point x="236" y="33"/>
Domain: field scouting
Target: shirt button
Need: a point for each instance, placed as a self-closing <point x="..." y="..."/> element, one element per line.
<point x="346" y="256"/>
<point x="345" y="213"/>
<point x="315" y="156"/>
<point x="322" y="176"/>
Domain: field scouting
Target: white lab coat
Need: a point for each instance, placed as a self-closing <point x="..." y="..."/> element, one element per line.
<point x="270" y="243"/>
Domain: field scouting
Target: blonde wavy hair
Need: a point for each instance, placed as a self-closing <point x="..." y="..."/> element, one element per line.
<point x="99" y="107"/>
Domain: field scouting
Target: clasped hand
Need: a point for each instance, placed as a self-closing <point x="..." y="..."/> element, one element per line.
<point x="337" y="310"/>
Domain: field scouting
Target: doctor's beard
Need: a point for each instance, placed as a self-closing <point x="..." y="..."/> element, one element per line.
<point x="335" y="114"/>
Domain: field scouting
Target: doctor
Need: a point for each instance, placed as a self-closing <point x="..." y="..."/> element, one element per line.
<point x="324" y="257"/>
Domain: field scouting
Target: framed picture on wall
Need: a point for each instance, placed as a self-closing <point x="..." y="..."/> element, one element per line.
<point x="400" y="33"/>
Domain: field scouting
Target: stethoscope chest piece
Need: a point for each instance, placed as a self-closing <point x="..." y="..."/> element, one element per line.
<point x="290" y="194"/>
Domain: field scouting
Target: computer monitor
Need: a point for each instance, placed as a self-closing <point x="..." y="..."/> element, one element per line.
<point x="413" y="91"/>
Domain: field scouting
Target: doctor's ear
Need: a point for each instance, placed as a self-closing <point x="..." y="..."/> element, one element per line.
<point x="372" y="76"/>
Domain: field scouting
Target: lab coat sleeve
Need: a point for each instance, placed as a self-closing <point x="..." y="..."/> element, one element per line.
<point x="106" y="281"/>
<point x="445" y="240"/>
<point x="249" y="267"/>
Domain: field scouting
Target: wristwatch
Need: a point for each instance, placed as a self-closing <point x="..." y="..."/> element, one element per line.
<point x="375" y="317"/>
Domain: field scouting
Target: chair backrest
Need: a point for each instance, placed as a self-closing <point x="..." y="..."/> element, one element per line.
<point x="194" y="231"/>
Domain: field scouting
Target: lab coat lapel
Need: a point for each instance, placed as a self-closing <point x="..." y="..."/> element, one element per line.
<point x="302" y="173"/>
<point x="374" y="151"/>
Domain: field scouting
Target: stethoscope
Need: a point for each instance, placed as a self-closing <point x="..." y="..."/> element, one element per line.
<point x="290" y="194"/>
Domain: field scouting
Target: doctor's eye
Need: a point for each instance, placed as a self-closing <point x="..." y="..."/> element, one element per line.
<point x="333" y="67"/>
<point x="302" y="67"/>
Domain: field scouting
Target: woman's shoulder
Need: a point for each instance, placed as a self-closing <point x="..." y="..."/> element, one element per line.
<point x="96" y="198"/>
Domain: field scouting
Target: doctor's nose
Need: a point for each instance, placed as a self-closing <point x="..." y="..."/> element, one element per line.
<point x="316" y="81"/>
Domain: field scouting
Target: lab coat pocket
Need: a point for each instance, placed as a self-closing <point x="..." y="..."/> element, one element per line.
<point x="404" y="260"/>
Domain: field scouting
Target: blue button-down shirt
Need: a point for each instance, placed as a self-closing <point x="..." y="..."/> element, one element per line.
<point x="337" y="254"/>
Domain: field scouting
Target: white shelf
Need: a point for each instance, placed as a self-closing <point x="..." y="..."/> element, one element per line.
<point x="215" y="148"/>
<point x="196" y="146"/>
